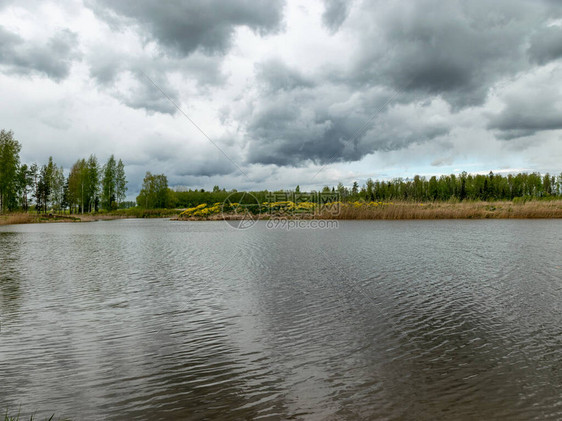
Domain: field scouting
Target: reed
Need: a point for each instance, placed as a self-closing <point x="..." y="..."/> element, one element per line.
<point x="446" y="210"/>
<point x="18" y="218"/>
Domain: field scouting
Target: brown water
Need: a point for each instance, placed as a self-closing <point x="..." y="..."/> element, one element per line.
<point x="154" y="319"/>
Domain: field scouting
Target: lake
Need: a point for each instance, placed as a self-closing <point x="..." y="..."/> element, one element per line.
<point x="158" y="319"/>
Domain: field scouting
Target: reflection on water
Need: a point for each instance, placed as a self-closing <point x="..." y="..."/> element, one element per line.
<point x="154" y="319"/>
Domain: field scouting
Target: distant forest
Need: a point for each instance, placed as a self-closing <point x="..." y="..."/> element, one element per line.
<point x="463" y="187"/>
<point x="91" y="187"/>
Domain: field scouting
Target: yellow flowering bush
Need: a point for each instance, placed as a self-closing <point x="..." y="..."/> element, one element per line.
<point x="281" y="208"/>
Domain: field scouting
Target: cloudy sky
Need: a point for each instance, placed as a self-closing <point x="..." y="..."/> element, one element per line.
<point x="285" y="92"/>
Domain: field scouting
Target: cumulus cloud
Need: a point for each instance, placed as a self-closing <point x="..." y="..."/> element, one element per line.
<point x="531" y="104"/>
<point x="52" y="58"/>
<point x="454" y="49"/>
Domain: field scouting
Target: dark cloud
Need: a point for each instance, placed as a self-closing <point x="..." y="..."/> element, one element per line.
<point x="516" y="122"/>
<point x="453" y="49"/>
<point x="419" y="50"/>
<point x="186" y="26"/>
<point x="546" y="45"/>
<point x="303" y="125"/>
<point x="335" y="13"/>
<point x="52" y="58"/>
<point x="531" y="106"/>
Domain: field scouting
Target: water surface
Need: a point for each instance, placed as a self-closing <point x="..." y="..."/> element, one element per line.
<point x="156" y="319"/>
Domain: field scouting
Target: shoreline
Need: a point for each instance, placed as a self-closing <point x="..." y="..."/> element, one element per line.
<point x="546" y="209"/>
<point x="26" y="218"/>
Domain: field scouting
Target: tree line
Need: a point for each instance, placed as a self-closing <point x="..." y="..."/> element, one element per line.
<point x="484" y="187"/>
<point x="462" y="187"/>
<point x="88" y="187"/>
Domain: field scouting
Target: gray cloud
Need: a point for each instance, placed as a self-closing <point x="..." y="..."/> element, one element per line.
<point x="108" y="66"/>
<point x="192" y="37"/>
<point x="424" y="49"/>
<point x="454" y="49"/>
<point x="531" y="104"/>
<point x="320" y="125"/>
<point x="521" y="121"/>
<point x="53" y="58"/>
<point x="184" y="27"/>
<point x="335" y="13"/>
<point x="144" y="95"/>
<point x="546" y="45"/>
<point x="274" y="75"/>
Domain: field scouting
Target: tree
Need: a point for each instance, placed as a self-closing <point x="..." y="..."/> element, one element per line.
<point x="9" y="163"/>
<point x="120" y="182"/>
<point x="92" y="182"/>
<point x="57" y="187"/>
<point x="25" y="184"/>
<point x="43" y="189"/>
<point x="355" y="188"/>
<point x="109" y="185"/>
<point x="65" y="203"/>
<point x="154" y="192"/>
<point x="341" y="191"/>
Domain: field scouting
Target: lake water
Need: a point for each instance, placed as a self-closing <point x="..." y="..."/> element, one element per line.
<point x="156" y="319"/>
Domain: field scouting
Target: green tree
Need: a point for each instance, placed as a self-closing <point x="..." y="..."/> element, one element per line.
<point x="77" y="185"/>
<point x="92" y="183"/>
<point x="120" y="182"/>
<point x="154" y="192"/>
<point x="109" y="185"/>
<point x="9" y="163"/>
<point x="43" y="189"/>
<point x="57" y="187"/>
<point x="25" y="184"/>
<point x="355" y="188"/>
